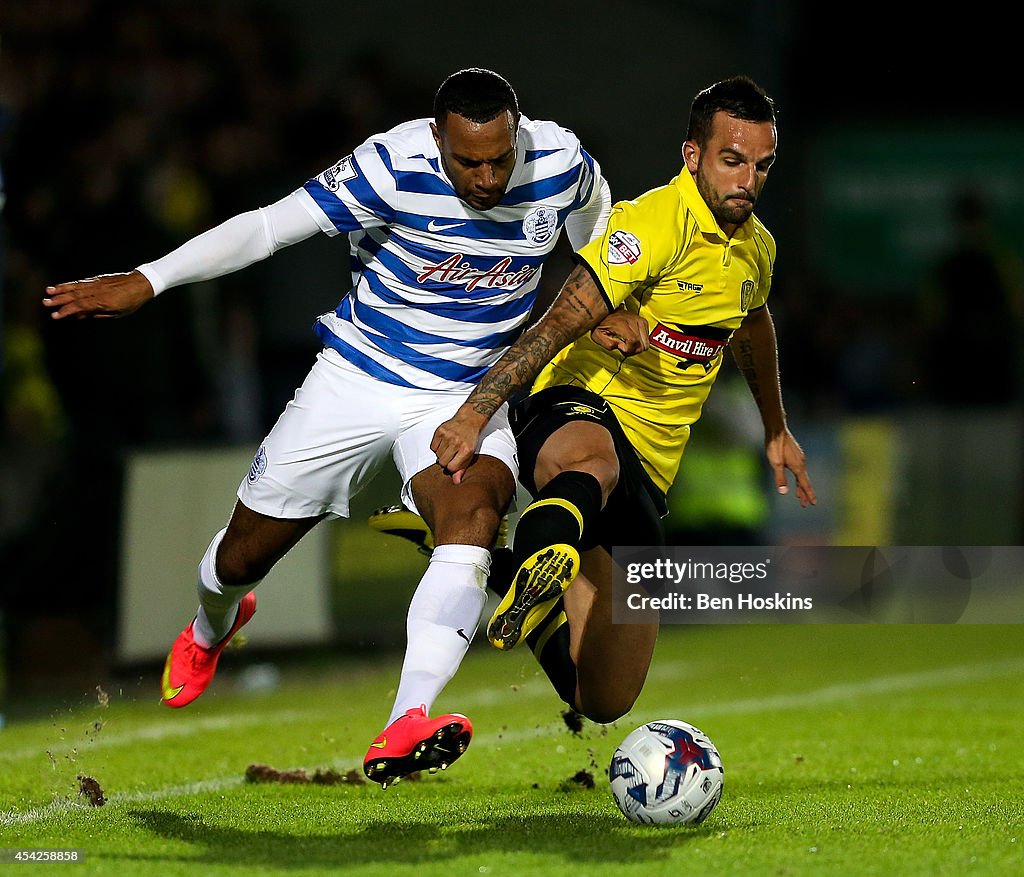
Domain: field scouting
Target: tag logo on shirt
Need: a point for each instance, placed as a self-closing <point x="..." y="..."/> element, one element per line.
<point x="540" y="224"/>
<point x="623" y="248"/>
<point x="746" y="293"/>
<point x="342" y="172"/>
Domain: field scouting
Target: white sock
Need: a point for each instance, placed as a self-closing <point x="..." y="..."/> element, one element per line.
<point x="218" y="603"/>
<point x="443" y="618"/>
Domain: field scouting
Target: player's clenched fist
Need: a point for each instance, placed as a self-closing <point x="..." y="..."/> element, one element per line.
<point x="455" y="441"/>
<point x="622" y="331"/>
<point x="109" y="295"/>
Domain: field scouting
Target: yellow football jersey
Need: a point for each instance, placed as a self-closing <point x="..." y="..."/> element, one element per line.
<point x="664" y="256"/>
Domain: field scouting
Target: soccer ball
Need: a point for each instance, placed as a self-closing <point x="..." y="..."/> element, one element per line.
<point x="666" y="772"/>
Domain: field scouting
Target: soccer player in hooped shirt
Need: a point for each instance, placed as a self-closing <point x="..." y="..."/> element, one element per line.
<point x="678" y="275"/>
<point x="448" y="223"/>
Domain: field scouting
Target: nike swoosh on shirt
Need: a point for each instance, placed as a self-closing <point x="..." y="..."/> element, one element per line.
<point x="434" y="225"/>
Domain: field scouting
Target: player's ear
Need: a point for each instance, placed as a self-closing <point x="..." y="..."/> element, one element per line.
<point x="691" y="155"/>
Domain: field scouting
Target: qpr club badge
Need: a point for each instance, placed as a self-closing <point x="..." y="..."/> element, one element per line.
<point x="540" y="224"/>
<point x="259" y="466"/>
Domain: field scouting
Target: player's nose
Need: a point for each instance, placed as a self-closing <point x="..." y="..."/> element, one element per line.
<point x="488" y="178"/>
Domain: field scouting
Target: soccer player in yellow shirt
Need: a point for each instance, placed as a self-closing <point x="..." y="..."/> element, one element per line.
<point x="617" y="371"/>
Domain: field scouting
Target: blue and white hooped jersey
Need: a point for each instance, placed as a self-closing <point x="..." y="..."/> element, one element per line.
<point x="440" y="290"/>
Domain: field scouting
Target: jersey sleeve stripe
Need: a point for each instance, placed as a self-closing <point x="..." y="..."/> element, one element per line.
<point x="588" y="160"/>
<point x="360" y="188"/>
<point x="588" y="178"/>
<point x="316" y="211"/>
<point x="355" y="205"/>
<point x="583" y="196"/>
<point x="333" y="208"/>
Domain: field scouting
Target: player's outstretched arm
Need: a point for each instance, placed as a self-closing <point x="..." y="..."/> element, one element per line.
<point x="234" y="244"/>
<point x="577" y="309"/>
<point x="755" y="349"/>
<point x="109" y="295"/>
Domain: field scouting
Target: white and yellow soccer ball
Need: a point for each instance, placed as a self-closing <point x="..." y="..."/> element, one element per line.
<point x="666" y="772"/>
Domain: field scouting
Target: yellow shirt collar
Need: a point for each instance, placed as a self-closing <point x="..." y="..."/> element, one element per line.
<point x="696" y="204"/>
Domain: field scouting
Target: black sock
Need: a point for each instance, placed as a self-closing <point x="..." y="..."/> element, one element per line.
<point x="549" y="642"/>
<point x="553" y="517"/>
<point x="503" y="567"/>
<point x="561" y="513"/>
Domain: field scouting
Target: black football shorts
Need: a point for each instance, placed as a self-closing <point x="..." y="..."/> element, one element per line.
<point x="633" y="513"/>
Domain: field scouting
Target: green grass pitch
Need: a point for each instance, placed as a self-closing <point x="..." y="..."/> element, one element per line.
<point x="858" y="750"/>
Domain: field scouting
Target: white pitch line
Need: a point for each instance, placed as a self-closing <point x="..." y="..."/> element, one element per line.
<point x="155" y="731"/>
<point x="797" y="700"/>
<point x="849" y="690"/>
<point x="55" y="808"/>
<point x="534" y="688"/>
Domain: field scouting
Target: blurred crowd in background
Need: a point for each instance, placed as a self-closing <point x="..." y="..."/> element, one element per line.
<point x="125" y="130"/>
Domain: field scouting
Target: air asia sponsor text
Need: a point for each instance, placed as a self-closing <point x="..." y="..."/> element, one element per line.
<point x="459" y="273"/>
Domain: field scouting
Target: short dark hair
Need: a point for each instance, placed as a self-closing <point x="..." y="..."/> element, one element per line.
<point x="476" y="94"/>
<point x="738" y="96"/>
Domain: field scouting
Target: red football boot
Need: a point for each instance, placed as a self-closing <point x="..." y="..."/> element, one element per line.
<point x="414" y="742"/>
<point x="190" y="667"/>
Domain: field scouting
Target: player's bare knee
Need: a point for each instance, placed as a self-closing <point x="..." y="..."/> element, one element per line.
<point x="605" y="470"/>
<point x="473" y="523"/>
<point x="602" y="715"/>
<point x="607" y="707"/>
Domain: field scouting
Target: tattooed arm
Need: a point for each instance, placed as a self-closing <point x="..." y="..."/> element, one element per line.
<point x="578" y="308"/>
<point x="756" y="352"/>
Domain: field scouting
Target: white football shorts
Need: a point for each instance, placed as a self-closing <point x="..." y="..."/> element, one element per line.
<point x="338" y="429"/>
